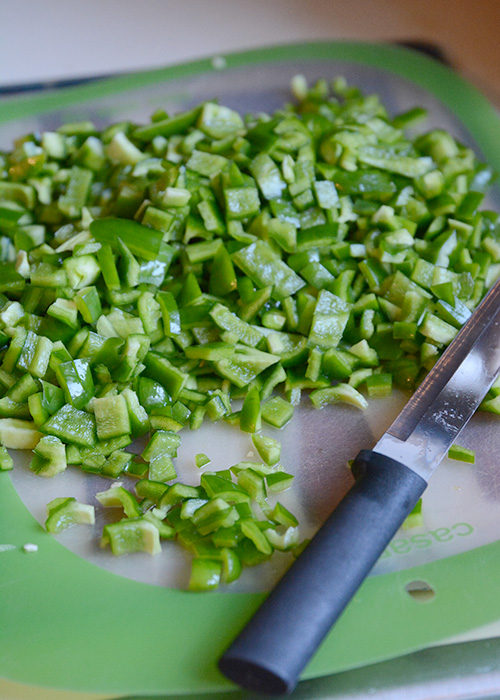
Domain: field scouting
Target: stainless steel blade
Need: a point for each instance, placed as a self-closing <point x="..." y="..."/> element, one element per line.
<point x="450" y="394"/>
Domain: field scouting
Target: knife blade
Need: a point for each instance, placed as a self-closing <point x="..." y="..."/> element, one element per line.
<point x="275" y="646"/>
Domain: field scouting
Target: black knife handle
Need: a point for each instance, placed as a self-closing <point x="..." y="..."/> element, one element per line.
<point x="272" y="650"/>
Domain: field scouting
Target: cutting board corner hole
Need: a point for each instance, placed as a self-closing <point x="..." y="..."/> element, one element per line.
<point x="420" y="591"/>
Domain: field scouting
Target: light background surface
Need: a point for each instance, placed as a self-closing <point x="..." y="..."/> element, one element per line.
<point x="54" y="39"/>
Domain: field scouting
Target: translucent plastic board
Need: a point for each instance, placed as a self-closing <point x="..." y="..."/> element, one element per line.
<point x="125" y="618"/>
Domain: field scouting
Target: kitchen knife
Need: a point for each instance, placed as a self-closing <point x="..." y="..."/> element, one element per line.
<point x="272" y="650"/>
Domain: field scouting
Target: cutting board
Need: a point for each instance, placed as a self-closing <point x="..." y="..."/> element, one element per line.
<point x="72" y="617"/>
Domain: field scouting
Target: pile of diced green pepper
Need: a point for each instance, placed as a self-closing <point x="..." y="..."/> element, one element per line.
<point x="150" y="275"/>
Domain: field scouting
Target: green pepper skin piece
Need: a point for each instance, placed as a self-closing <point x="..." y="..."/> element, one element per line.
<point x="250" y="416"/>
<point x="277" y="412"/>
<point x="242" y="367"/>
<point x="266" y="270"/>
<point x="268" y="176"/>
<point x="108" y="267"/>
<point x="330" y="318"/>
<point x="222" y="277"/>
<point x="77" y="192"/>
<point x="119" y="496"/>
<point x="75" y="378"/>
<point x="141" y="240"/>
<point x="167" y="127"/>
<point x="6" y="461"/>
<point x="18" y="192"/>
<point x="170" y="313"/>
<point x="241" y="202"/>
<point x="132" y="535"/>
<point x="10" y="280"/>
<point x="205" y="575"/>
<point x="73" y="426"/>
<point x="268" y="448"/>
<point x="161" y="370"/>
<point x="112" y="417"/>
<point x="219" y="121"/>
<point x="88" y="303"/>
<point x="64" y="512"/>
<point x="462" y="454"/>
<point x="228" y="321"/>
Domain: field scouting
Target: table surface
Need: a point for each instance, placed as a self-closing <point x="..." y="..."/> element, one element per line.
<point x="53" y="40"/>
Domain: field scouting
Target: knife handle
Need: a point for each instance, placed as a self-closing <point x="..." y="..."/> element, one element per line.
<point x="272" y="650"/>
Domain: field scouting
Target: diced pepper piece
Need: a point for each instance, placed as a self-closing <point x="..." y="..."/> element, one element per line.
<point x="176" y="493"/>
<point x="268" y="448"/>
<point x="260" y="263"/>
<point x="415" y="518"/>
<point x="121" y="150"/>
<point x="65" y="310"/>
<point x="342" y="392"/>
<point x="72" y="425"/>
<point x="330" y="318"/>
<point x="168" y="126"/>
<point x="116" y="463"/>
<point x="268" y="176"/>
<point x="462" y="454"/>
<point x="170" y="377"/>
<point x="251" y="481"/>
<point x="108" y="267"/>
<point x="132" y="535"/>
<point x="225" y="319"/>
<point x="77" y="192"/>
<point x="18" y="434"/>
<point x="251" y="530"/>
<point x="170" y="313"/>
<point x="214" y="514"/>
<point x="284" y="542"/>
<point x="283" y="516"/>
<point x="13" y="409"/>
<point x="205" y="574"/>
<point x="159" y="451"/>
<point x="279" y="481"/>
<point x="277" y="412"/>
<point x="88" y="303"/>
<point x="112" y="416"/>
<point x="64" y="512"/>
<point x="119" y="496"/>
<point x="218" y="487"/>
<point x="82" y="271"/>
<point x="242" y="367"/>
<point x="141" y="240"/>
<point x="49" y="457"/>
<point x="210" y="351"/>
<point x="6" y="461"/>
<point x="231" y="565"/>
<point x="201" y="460"/>
<point x="152" y="490"/>
<point x="437" y="330"/>
<point x="23" y="388"/>
<point x="222" y="277"/>
<point x="379" y="385"/>
<point x="207" y="164"/>
<point x="75" y="378"/>
<point x="139" y="419"/>
<point x="219" y="121"/>
<point x="241" y="202"/>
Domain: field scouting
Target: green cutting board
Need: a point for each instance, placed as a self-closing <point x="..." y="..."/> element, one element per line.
<point x="66" y="623"/>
